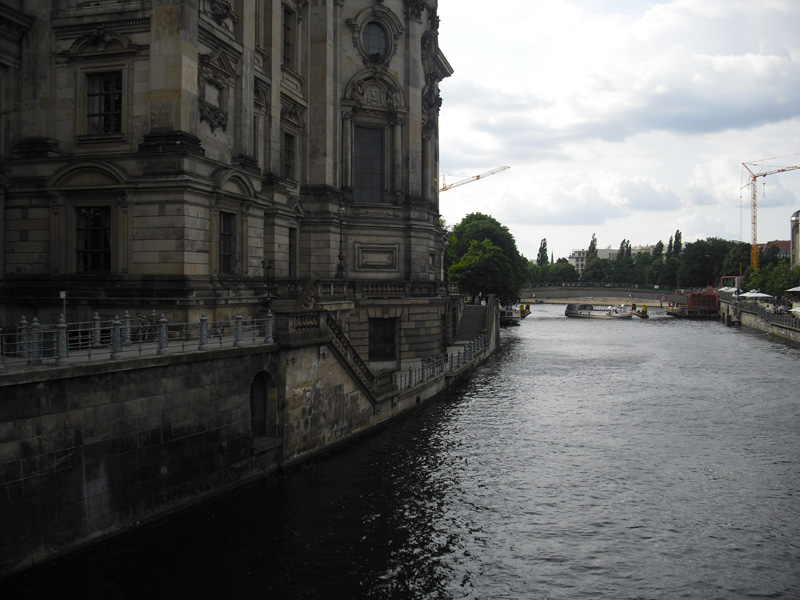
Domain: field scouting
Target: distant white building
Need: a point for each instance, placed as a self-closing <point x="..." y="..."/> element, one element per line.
<point x="578" y="257"/>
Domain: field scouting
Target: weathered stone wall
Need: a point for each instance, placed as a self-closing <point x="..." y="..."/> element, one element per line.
<point x="91" y="449"/>
<point x="753" y="321"/>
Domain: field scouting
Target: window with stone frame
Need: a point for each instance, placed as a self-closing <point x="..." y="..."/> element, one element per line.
<point x="382" y="339"/>
<point x="289" y="168"/>
<point x="93" y="239"/>
<point x="368" y="164"/>
<point x="374" y="40"/>
<point x="227" y="242"/>
<point x="292" y="252"/>
<point x="289" y="37"/>
<point x="104" y="103"/>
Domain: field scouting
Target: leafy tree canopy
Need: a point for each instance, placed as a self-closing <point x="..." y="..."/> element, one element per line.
<point x="485" y="268"/>
<point x="541" y="258"/>
<point x="592" y="252"/>
<point x="477" y="227"/>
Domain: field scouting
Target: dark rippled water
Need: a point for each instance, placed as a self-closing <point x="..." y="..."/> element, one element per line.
<point x="587" y="459"/>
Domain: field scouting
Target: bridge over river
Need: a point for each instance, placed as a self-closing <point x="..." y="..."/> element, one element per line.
<point x="568" y="292"/>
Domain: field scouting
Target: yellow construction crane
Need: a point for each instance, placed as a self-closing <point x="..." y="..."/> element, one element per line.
<point x="448" y="186"/>
<point x="754" y="204"/>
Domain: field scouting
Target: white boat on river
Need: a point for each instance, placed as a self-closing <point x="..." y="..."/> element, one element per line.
<point x="589" y="311"/>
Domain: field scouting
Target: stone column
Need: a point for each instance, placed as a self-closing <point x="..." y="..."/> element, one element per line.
<point x="174" y="65"/>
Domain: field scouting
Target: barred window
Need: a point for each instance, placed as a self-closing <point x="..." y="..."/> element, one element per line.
<point x="93" y="236"/>
<point x="104" y="103"/>
<point x="227" y="242"/>
<point x="382" y="344"/>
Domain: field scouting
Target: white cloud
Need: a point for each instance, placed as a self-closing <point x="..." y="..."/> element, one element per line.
<point x="624" y="118"/>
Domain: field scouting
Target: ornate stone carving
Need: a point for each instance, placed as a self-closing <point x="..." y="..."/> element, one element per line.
<point x="214" y="116"/>
<point x="220" y="10"/>
<point x="414" y="8"/>
<point x="216" y="76"/>
<point x="374" y="90"/>
<point x="261" y="93"/>
<point x="103" y="41"/>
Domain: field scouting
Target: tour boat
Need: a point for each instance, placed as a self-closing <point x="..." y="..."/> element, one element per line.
<point x="588" y="311"/>
<point x="509" y="315"/>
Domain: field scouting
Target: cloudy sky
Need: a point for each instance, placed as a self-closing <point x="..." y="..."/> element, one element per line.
<point x="628" y="119"/>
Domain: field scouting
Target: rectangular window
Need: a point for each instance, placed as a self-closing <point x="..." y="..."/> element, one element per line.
<point x="227" y="242"/>
<point x="292" y="252"/>
<point x="289" y="156"/>
<point x="104" y="103"/>
<point x="259" y="15"/>
<point x="382" y="339"/>
<point x="289" y="34"/>
<point x="93" y="236"/>
<point x="368" y="165"/>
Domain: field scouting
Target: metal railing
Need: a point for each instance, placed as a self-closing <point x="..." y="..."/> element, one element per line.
<point x="35" y="344"/>
<point x="769" y="315"/>
<point x="436" y="365"/>
<point x="32" y="344"/>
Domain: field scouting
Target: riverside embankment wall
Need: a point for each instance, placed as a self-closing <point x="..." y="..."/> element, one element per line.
<point x="93" y="449"/>
<point x="760" y="318"/>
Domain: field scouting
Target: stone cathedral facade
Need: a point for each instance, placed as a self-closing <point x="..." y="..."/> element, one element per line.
<point x="217" y="156"/>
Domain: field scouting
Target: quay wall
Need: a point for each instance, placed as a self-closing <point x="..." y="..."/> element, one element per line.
<point x="91" y="450"/>
<point x="785" y="327"/>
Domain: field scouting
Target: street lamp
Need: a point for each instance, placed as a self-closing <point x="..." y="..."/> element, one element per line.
<point x="341" y="272"/>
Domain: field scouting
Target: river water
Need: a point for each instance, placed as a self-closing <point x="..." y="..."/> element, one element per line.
<point x="653" y="458"/>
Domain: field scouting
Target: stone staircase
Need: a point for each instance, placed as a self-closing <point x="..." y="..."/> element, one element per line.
<point x="472" y="323"/>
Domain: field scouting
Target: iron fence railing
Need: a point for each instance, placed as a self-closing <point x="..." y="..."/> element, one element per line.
<point x="34" y="344"/>
<point x="766" y="313"/>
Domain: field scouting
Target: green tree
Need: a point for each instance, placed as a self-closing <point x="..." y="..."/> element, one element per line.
<point x="658" y="250"/>
<point x="736" y="260"/>
<point x="539" y="274"/>
<point x="668" y="272"/>
<point x="770" y="256"/>
<point x="479" y="227"/>
<point x="486" y="269"/>
<point x="592" y="251"/>
<point x="701" y="262"/>
<point x="677" y="245"/>
<point x="594" y="270"/>
<point x="562" y="271"/>
<point x="541" y="259"/>
<point x="641" y="263"/>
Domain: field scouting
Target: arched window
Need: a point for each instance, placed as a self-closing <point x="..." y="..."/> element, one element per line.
<point x="374" y="39"/>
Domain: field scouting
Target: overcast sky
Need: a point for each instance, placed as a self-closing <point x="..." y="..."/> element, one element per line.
<point x="628" y="119"/>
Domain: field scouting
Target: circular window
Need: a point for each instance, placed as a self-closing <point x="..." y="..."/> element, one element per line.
<point x="374" y="38"/>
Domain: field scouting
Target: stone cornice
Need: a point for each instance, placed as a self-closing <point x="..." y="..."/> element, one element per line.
<point x="127" y="25"/>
